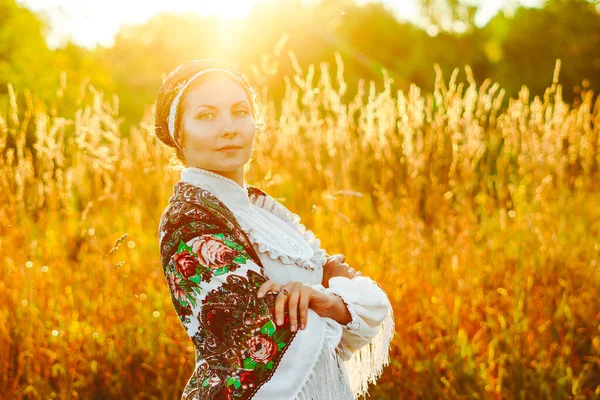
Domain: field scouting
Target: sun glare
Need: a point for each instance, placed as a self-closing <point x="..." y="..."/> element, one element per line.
<point x="225" y="9"/>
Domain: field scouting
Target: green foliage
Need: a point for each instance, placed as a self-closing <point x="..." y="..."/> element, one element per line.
<point x="529" y="42"/>
<point x="26" y="63"/>
<point x="22" y="50"/>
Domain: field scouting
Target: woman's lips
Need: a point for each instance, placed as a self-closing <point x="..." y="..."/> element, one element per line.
<point x="229" y="149"/>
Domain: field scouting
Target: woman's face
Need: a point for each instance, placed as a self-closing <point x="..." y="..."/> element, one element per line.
<point x="216" y="113"/>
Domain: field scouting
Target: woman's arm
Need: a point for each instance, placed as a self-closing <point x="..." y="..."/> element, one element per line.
<point x="299" y="298"/>
<point x="338" y="311"/>
<point x="370" y="310"/>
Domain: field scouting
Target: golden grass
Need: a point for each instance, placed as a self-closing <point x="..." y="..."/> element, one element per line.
<point x="481" y="222"/>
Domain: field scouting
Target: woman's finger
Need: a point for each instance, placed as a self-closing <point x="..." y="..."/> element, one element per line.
<point x="293" y="306"/>
<point x="280" y="303"/>
<point x="265" y="287"/>
<point x="303" y="306"/>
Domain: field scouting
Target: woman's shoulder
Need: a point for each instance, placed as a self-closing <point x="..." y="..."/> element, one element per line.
<point x="191" y="203"/>
<point x="193" y="212"/>
<point x="189" y="196"/>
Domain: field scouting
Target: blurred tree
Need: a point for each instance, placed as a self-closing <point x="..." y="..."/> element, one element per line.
<point x="371" y="38"/>
<point x="457" y="16"/>
<point x="26" y="62"/>
<point x="524" y="48"/>
<point x="21" y="55"/>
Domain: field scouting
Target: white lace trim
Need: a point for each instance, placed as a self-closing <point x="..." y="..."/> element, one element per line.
<point x="189" y="174"/>
<point x="267" y="203"/>
<point x="218" y="184"/>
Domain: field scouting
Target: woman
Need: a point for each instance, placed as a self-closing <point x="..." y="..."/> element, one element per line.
<point x="270" y="315"/>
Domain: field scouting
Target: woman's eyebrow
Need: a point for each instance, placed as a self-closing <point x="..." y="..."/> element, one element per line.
<point x="237" y="103"/>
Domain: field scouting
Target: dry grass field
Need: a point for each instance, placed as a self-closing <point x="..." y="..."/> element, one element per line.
<point x="479" y="215"/>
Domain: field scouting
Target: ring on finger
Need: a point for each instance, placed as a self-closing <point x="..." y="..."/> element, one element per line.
<point x="285" y="291"/>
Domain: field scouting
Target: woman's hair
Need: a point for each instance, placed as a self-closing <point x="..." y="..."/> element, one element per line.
<point x="173" y="83"/>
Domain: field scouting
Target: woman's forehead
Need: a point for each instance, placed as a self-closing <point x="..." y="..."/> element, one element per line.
<point x="216" y="91"/>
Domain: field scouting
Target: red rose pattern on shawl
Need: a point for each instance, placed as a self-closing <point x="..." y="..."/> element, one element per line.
<point x="261" y="348"/>
<point x="186" y="264"/>
<point x="212" y="253"/>
<point x="238" y="343"/>
<point x="174" y="285"/>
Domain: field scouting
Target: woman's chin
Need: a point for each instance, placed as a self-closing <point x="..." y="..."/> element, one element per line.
<point x="230" y="165"/>
<point x="224" y="163"/>
<point x="233" y="162"/>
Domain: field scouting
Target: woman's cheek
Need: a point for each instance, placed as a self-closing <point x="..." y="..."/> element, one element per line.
<point x="201" y="142"/>
<point x="247" y="125"/>
<point x="249" y="153"/>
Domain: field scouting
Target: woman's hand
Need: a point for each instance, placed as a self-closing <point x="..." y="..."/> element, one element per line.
<point x="299" y="298"/>
<point x="335" y="266"/>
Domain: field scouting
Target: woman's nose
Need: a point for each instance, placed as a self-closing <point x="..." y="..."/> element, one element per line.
<point x="229" y="127"/>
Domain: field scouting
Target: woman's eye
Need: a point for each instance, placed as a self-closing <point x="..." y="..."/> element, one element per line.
<point x="240" y="112"/>
<point x="206" y="116"/>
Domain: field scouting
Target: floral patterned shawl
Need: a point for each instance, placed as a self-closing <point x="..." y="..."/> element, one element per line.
<point x="205" y="255"/>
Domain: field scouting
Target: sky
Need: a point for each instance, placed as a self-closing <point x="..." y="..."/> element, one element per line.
<point x="91" y="22"/>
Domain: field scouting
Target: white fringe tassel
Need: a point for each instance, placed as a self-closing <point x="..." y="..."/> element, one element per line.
<point x="327" y="379"/>
<point x="366" y="364"/>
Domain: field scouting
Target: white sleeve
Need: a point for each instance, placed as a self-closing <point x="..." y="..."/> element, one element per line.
<point x="372" y="323"/>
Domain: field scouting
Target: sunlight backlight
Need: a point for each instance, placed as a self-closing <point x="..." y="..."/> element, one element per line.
<point x="90" y="22"/>
<point x="226" y="9"/>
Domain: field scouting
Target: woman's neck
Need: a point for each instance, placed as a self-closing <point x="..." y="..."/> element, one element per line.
<point x="236" y="176"/>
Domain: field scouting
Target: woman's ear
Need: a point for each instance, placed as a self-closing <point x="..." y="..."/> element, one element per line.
<point x="181" y="137"/>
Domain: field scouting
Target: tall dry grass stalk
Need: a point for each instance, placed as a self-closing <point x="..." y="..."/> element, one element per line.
<point x="479" y="219"/>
